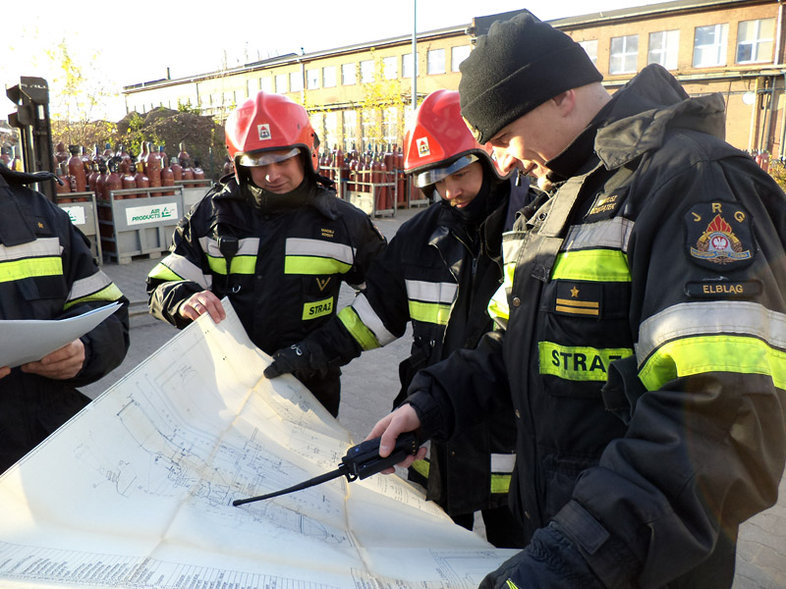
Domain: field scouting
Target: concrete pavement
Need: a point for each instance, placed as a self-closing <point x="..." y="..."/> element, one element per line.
<point x="371" y="382"/>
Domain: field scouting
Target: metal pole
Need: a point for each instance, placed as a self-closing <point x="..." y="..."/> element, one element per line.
<point x="414" y="54"/>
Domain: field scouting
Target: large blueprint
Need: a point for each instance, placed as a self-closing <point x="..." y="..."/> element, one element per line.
<point x="137" y="489"/>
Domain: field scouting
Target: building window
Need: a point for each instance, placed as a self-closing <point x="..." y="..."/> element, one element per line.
<point x="390" y="67"/>
<point x="295" y="81"/>
<point x="281" y="83"/>
<point x="590" y="47"/>
<point x="350" y="129"/>
<point x="436" y="61"/>
<point x="367" y="71"/>
<point x="266" y="84"/>
<point x="348" y="75"/>
<point x="331" y="130"/>
<point x="312" y="79"/>
<point x="624" y="52"/>
<point x="368" y="123"/>
<point x="664" y="49"/>
<point x="406" y="65"/>
<point x="709" y="45"/>
<point x="457" y="55"/>
<point x="390" y="125"/>
<point x="755" y="40"/>
<point x="329" y="76"/>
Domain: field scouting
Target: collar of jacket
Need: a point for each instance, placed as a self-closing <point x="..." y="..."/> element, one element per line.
<point x="14" y="177"/>
<point x="323" y="198"/>
<point x="490" y="229"/>
<point x="647" y="107"/>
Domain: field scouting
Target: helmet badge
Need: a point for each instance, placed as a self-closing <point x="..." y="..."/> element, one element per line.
<point x="264" y="131"/>
<point x="423" y="147"/>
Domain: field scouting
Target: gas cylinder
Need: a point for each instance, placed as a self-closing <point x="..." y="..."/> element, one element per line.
<point x="76" y="169"/>
<point x="177" y="169"/>
<point x="164" y="156"/>
<point x="91" y="177"/>
<point x="108" y="153"/>
<point x="141" y="161"/>
<point x="141" y="179"/>
<point x="341" y="172"/>
<point x="188" y="173"/>
<point x="153" y="166"/>
<point x="127" y="178"/>
<point x="401" y="178"/>
<point x="100" y="180"/>
<point x="199" y="173"/>
<point x="125" y="160"/>
<point x="62" y="190"/>
<point x="113" y="180"/>
<point x="183" y="157"/>
<point x="167" y="179"/>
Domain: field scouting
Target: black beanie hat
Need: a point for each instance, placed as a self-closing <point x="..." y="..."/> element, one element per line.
<point x="520" y="64"/>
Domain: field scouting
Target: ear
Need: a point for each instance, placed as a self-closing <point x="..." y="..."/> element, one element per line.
<point x="565" y="102"/>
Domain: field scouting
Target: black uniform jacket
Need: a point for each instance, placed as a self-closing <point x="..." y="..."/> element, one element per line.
<point x="47" y="271"/>
<point x="280" y="270"/>
<point x="644" y="351"/>
<point x="439" y="273"/>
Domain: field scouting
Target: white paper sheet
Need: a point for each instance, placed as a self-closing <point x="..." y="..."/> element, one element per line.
<point x="23" y="341"/>
<point x="137" y="489"/>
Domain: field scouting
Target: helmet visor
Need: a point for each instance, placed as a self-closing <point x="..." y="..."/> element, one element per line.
<point x="434" y="175"/>
<point x="266" y="157"/>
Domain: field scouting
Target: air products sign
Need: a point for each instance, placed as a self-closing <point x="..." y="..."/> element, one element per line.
<point x="151" y="214"/>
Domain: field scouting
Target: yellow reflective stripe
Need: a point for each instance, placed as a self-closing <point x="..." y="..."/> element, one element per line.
<point x="498" y="307"/>
<point x="500" y="483"/>
<point x="239" y="265"/>
<point x="162" y="272"/>
<point x="317" y="308"/>
<point x="421" y="467"/>
<point x="371" y="320"/>
<point x="511" y="584"/>
<point x="31" y="267"/>
<point x="713" y="353"/>
<point x="578" y="363"/>
<point x="429" y="312"/>
<point x="595" y="265"/>
<point x="110" y="293"/>
<point x="312" y="265"/>
<point x="357" y="329"/>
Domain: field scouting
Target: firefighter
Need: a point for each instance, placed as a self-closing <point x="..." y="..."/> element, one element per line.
<point x="273" y="238"/>
<point x="644" y="315"/>
<point x="47" y="272"/>
<point x="438" y="273"/>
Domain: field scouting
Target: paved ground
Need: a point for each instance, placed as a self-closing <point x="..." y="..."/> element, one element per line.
<point x="371" y="382"/>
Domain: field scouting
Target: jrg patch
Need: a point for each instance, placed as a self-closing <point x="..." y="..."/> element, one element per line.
<point x="719" y="235"/>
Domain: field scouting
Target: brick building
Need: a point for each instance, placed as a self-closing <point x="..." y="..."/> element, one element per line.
<point x="360" y="95"/>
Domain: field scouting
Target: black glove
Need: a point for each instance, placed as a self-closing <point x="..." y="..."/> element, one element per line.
<point x="303" y="359"/>
<point x="550" y="560"/>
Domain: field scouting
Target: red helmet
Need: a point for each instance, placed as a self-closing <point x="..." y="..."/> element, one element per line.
<point x="437" y="142"/>
<point x="269" y="122"/>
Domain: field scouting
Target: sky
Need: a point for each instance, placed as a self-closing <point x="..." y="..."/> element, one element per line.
<point x="118" y="44"/>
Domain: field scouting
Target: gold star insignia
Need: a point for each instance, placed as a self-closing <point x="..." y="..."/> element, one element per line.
<point x="574" y="292"/>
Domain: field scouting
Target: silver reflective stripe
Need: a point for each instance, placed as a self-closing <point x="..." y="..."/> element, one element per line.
<point x="187" y="270"/>
<point x="247" y="246"/>
<point x="711" y="318"/>
<point x="44" y="246"/>
<point x="502" y="463"/>
<point x="299" y="246"/>
<point x="371" y="320"/>
<point x="87" y="286"/>
<point x="511" y="246"/>
<point x="612" y="234"/>
<point x="431" y="292"/>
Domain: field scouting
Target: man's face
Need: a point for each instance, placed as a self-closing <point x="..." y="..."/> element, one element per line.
<point x="531" y="140"/>
<point x="461" y="187"/>
<point x="279" y="177"/>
